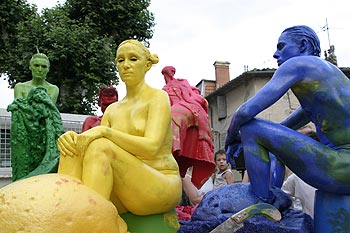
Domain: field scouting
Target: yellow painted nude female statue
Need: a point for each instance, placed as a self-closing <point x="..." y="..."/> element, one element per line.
<point x="128" y="158"/>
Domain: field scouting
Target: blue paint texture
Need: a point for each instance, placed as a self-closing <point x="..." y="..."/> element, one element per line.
<point x="218" y="205"/>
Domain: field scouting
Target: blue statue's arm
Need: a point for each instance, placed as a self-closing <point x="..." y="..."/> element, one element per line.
<point x="283" y="79"/>
<point x="296" y="119"/>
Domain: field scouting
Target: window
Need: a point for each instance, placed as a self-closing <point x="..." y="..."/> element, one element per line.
<point x="221" y="102"/>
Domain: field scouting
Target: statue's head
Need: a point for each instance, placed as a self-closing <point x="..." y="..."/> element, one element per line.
<point x="41" y="56"/>
<point x="132" y="54"/>
<point x="302" y="32"/>
<point x="297" y="41"/>
<point x="107" y="96"/>
<point x="169" y="71"/>
<point x="150" y="57"/>
<point x="39" y="65"/>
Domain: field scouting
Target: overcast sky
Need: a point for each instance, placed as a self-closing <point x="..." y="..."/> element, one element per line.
<point x="192" y="34"/>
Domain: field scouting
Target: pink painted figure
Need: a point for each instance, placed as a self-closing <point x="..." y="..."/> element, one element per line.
<point x="192" y="137"/>
<point x="107" y="96"/>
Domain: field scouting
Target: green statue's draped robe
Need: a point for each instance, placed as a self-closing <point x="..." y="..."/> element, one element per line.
<point x="36" y="126"/>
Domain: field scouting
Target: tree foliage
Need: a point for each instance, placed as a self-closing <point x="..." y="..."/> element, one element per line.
<point x="11" y="14"/>
<point x="121" y="19"/>
<point x="80" y="39"/>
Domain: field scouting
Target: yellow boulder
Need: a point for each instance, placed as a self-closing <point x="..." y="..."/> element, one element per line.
<point x="56" y="203"/>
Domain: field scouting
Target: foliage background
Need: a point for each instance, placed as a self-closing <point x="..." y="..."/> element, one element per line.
<point x="80" y="38"/>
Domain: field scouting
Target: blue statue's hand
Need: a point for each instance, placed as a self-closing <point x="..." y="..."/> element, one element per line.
<point x="233" y="147"/>
<point x="232" y="138"/>
<point x="232" y="151"/>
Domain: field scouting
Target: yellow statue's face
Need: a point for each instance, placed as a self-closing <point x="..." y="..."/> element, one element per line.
<point x="132" y="63"/>
<point x="39" y="68"/>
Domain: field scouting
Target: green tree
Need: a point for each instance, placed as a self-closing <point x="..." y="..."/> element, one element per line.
<point x="118" y="19"/>
<point x="11" y="14"/>
<point x="81" y="53"/>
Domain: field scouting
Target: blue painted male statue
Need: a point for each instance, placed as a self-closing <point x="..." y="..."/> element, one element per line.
<point x="323" y="92"/>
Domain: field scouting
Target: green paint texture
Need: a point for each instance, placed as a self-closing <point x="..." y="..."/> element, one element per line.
<point x="35" y="127"/>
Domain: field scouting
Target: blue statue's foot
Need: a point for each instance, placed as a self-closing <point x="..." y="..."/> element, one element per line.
<point x="278" y="199"/>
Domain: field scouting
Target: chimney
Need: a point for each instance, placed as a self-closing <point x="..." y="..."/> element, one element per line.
<point x="222" y="73"/>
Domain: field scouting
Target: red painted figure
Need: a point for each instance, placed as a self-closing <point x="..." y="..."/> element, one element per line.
<point x="107" y="96"/>
<point x="192" y="137"/>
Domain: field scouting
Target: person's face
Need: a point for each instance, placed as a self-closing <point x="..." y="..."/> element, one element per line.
<point x="39" y="68"/>
<point x="132" y="63"/>
<point x="220" y="161"/>
<point x="286" y="49"/>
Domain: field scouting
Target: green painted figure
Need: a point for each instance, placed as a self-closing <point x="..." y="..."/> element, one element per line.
<point x="36" y="123"/>
<point x="40" y="66"/>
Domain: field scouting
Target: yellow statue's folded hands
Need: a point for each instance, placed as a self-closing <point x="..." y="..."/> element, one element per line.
<point x="66" y="143"/>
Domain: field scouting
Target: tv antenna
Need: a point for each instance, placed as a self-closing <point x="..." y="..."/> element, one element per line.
<point x="326" y="28"/>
